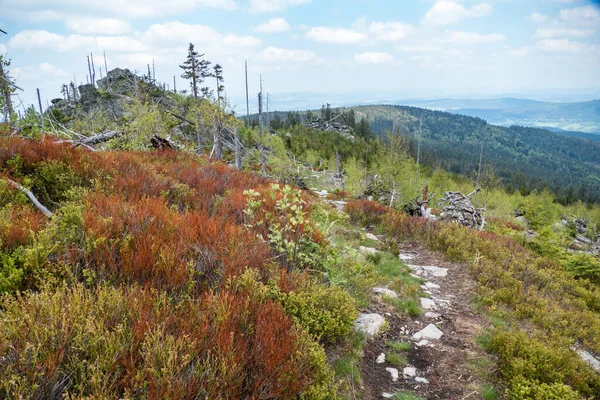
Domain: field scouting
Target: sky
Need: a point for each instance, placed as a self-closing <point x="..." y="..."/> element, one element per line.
<point x="352" y="50"/>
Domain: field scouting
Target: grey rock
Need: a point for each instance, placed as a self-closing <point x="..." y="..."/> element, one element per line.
<point x="369" y="324"/>
<point x="380" y="358"/>
<point x="409" y="371"/>
<point x="430" y="332"/>
<point x="393" y="372"/>
<point x="368" y="250"/>
<point x="427" y="304"/>
<point x="421" y="380"/>
<point x="385" y="292"/>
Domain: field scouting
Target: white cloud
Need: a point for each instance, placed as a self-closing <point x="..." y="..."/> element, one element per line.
<point x="122" y="44"/>
<point x="3" y="48"/>
<point x="40" y="10"/>
<point x="103" y="26"/>
<point x="469" y="38"/>
<point x="425" y="48"/>
<point x="278" y="54"/>
<point x="263" y="6"/>
<point x="564" y="46"/>
<point x="520" y="52"/>
<point x="390" y="31"/>
<point x="538" y="18"/>
<point x="446" y="12"/>
<point x="373" y="58"/>
<point x="549" y="33"/>
<point x="178" y="33"/>
<point x="44" y="40"/>
<point x="50" y="70"/>
<point x="335" y="35"/>
<point x="581" y="16"/>
<point x="274" y="25"/>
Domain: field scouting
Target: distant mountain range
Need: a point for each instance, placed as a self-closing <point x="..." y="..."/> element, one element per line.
<point x="525" y="158"/>
<point x="564" y="117"/>
<point x="580" y="116"/>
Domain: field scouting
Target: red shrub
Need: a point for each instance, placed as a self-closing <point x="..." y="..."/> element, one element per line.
<point x="21" y="224"/>
<point x="365" y="212"/>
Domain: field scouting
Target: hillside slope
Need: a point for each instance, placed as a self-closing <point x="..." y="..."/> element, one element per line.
<point x="525" y="158"/>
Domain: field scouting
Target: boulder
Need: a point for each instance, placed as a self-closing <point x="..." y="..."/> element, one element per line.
<point x="369" y="324"/>
<point x="393" y="372"/>
<point x="385" y="292"/>
<point x="430" y="332"/>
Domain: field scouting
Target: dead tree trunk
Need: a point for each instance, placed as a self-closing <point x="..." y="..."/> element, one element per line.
<point x="32" y="197"/>
<point x="238" y="150"/>
<point x="218" y="138"/>
<point x="198" y="134"/>
<point x="40" y="104"/>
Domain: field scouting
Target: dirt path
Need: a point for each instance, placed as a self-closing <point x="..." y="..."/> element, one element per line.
<point x="446" y="364"/>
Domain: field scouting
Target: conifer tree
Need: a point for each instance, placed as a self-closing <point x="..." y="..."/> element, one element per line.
<point x="7" y="87"/>
<point x="218" y="75"/>
<point x="195" y="69"/>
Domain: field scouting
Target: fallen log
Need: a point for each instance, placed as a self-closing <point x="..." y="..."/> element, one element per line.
<point x="32" y="197"/>
<point x="102" y="137"/>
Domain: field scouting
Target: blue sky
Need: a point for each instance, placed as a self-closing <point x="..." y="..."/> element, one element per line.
<point x="353" y="49"/>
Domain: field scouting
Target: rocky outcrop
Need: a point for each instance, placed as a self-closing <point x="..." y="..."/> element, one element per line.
<point x="331" y="126"/>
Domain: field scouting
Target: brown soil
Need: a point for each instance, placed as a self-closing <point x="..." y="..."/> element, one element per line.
<point x="447" y="363"/>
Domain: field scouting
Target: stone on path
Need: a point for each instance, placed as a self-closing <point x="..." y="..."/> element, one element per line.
<point x="370" y="236"/>
<point x="370" y="324"/>
<point x="429" y="270"/>
<point x="427" y="304"/>
<point x="406" y="257"/>
<point x="421" y="380"/>
<point x="432" y="315"/>
<point x="436" y="271"/>
<point x="393" y="372"/>
<point x="431" y="286"/>
<point x="385" y="292"/>
<point x="368" y="250"/>
<point x="409" y="371"/>
<point x="430" y="332"/>
<point x="387" y="395"/>
<point x="380" y="359"/>
<point x="423" y="343"/>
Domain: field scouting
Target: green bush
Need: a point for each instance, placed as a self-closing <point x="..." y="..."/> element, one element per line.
<point x="327" y="312"/>
<point x="523" y="389"/>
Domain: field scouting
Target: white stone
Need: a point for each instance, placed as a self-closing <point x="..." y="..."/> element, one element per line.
<point x="393" y="372"/>
<point x="423" y="343"/>
<point x="427" y="304"/>
<point x="369" y="324"/>
<point x="385" y="292"/>
<point x="370" y="236"/>
<point x="406" y="257"/>
<point x="421" y="380"/>
<point x="409" y="371"/>
<point x="436" y="271"/>
<point x="367" y="250"/>
<point x="589" y="358"/>
<point x="380" y="358"/>
<point x="431" y="286"/>
<point x="430" y="332"/>
<point x="387" y="395"/>
<point x="432" y="315"/>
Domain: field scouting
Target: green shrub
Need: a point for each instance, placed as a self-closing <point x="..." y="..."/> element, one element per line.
<point x="327" y="312"/>
<point x="11" y="273"/>
<point x="524" y="389"/>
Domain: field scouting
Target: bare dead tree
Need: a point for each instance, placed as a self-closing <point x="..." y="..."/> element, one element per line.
<point x="32" y="197"/>
<point x="238" y="150"/>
